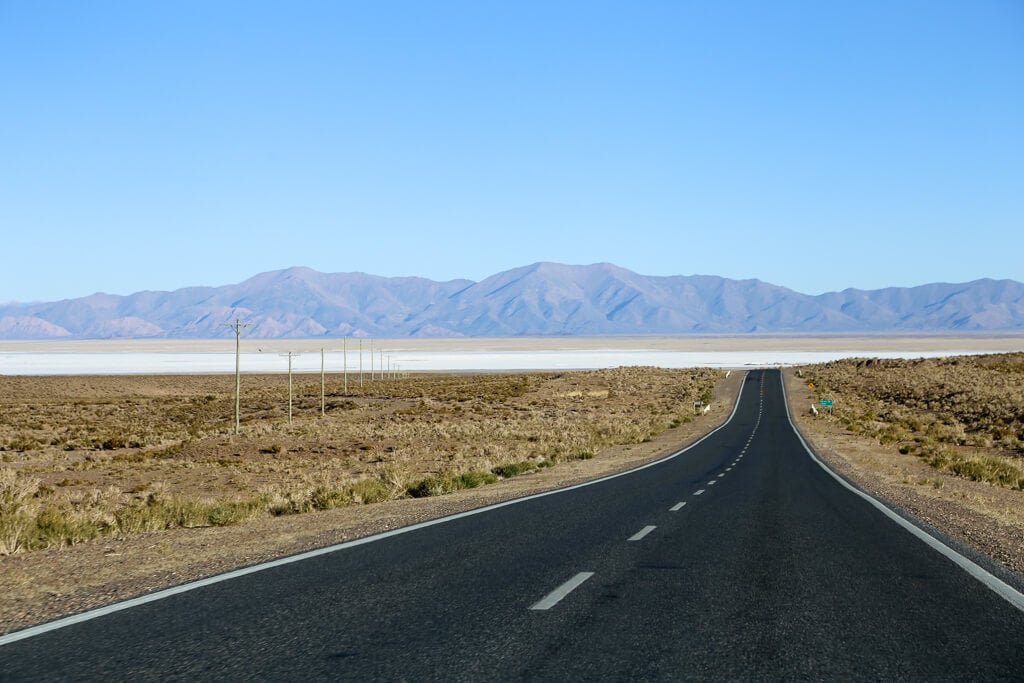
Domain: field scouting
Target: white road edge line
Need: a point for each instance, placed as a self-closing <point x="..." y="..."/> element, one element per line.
<point x="677" y="507"/>
<point x="39" y="629"/>
<point x="640" y="534"/>
<point x="555" y="596"/>
<point x="995" y="584"/>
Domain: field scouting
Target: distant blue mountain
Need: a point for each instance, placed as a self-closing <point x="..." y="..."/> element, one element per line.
<point x="540" y="299"/>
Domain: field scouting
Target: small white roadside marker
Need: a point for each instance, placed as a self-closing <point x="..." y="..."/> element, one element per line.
<point x="555" y="596"/>
<point x="677" y="507"/>
<point x="640" y="534"/>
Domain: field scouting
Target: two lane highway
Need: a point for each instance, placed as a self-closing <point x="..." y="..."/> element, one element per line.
<point x="738" y="558"/>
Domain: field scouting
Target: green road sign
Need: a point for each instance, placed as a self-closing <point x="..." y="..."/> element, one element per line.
<point x="826" y="402"/>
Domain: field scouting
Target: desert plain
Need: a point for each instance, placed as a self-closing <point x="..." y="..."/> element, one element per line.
<point x="119" y="485"/>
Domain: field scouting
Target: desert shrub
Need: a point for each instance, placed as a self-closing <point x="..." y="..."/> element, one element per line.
<point x="15" y="531"/>
<point x="969" y="469"/>
<point x="56" y="527"/>
<point x="990" y="469"/>
<point x="228" y="513"/>
<point x="17" y="504"/>
<point x="134" y="519"/>
<point x="327" y="498"/>
<point x="442" y="484"/>
<point x="23" y="443"/>
<point x="512" y="469"/>
<point x="473" y="479"/>
<point x="185" y="512"/>
<point x="428" y="486"/>
<point x="370" y="491"/>
<point x="936" y="455"/>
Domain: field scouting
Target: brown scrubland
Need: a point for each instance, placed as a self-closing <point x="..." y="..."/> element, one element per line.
<point x="116" y="485"/>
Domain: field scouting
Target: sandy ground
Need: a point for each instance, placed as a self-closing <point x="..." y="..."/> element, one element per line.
<point x="991" y="342"/>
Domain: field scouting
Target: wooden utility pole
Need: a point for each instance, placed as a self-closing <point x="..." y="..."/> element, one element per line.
<point x="289" y="354"/>
<point x="238" y="326"/>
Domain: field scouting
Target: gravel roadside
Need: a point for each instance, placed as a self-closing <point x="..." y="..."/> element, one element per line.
<point x="989" y="519"/>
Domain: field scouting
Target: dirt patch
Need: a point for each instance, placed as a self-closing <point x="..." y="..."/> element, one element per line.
<point x="584" y="425"/>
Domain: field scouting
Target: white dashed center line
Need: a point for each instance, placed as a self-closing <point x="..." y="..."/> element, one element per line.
<point x="721" y="475"/>
<point x="553" y="598"/>
<point x="698" y="492"/>
<point x="677" y="507"/>
<point x="712" y="482"/>
<point x="640" y="534"/>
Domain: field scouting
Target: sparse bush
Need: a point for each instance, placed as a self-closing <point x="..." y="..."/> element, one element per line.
<point x="512" y="469"/>
<point x="228" y="513"/>
<point x="442" y="484"/>
<point x="327" y="498"/>
<point x="57" y="527"/>
<point x="428" y="486"/>
<point x="943" y="404"/>
<point x="370" y="491"/>
<point x="16" y="510"/>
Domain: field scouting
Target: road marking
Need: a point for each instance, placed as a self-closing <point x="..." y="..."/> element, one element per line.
<point x="677" y="507"/>
<point x="640" y="534"/>
<point x="728" y="469"/>
<point x="698" y="492"/>
<point x="39" y="629"/>
<point x="983" y="576"/>
<point x="555" y="596"/>
<point x="721" y="475"/>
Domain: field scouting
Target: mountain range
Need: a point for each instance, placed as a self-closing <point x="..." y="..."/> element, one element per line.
<point x="539" y="299"/>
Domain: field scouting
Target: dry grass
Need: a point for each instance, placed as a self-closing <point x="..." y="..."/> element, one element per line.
<point x="85" y="457"/>
<point x="963" y="415"/>
<point x="980" y="509"/>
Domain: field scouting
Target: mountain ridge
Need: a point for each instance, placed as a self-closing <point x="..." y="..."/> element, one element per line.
<point x="540" y="299"/>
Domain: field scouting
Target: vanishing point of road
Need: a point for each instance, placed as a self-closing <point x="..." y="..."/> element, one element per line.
<point x="739" y="558"/>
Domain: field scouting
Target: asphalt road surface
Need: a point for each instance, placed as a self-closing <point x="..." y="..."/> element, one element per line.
<point x="738" y="559"/>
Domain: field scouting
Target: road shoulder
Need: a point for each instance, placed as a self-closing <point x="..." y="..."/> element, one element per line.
<point x="984" y="519"/>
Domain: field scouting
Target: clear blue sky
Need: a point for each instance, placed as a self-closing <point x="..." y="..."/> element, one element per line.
<point x="815" y="145"/>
